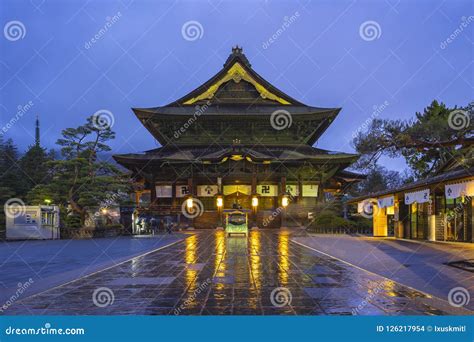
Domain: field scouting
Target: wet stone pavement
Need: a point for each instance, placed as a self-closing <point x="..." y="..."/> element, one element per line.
<point x="211" y="274"/>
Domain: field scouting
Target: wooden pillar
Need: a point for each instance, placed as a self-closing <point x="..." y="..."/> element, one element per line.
<point x="283" y="184"/>
<point x="174" y="202"/>
<point x="254" y="182"/>
<point x="320" y="197"/>
<point x="300" y="190"/>
<point x="219" y="185"/>
<point x="152" y="191"/>
<point x="191" y="186"/>
<point x="431" y="236"/>
<point x="137" y="197"/>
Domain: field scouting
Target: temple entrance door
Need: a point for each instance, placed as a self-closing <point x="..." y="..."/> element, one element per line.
<point x="238" y="198"/>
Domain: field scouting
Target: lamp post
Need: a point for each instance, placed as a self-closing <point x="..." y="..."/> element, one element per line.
<point x="190" y="210"/>
<point x="220" y="205"/>
<point x="284" y="204"/>
<point x="254" y="211"/>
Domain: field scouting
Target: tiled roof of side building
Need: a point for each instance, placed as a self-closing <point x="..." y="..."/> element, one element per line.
<point x="461" y="173"/>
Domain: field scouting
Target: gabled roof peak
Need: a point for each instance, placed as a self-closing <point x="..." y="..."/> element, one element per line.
<point x="237" y="53"/>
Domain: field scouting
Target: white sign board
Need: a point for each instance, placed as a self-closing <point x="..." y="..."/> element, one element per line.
<point x="310" y="190"/>
<point x="207" y="190"/>
<point x="292" y="189"/>
<point x="386" y="202"/>
<point x="421" y="196"/>
<point x="182" y="191"/>
<point x="267" y="190"/>
<point x="164" y="191"/>
<point x="453" y="191"/>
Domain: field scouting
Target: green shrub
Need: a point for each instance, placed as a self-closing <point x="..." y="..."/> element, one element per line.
<point x="72" y="221"/>
<point x="113" y="226"/>
<point x="362" y="222"/>
<point x="329" y="220"/>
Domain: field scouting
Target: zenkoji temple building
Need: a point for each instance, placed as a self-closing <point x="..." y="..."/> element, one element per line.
<point x="237" y="141"/>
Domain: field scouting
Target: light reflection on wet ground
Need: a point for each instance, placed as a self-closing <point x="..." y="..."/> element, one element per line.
<point x="209" y="273"/>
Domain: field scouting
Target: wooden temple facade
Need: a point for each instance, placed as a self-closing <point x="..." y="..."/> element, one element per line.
<point x="236" y="141"/>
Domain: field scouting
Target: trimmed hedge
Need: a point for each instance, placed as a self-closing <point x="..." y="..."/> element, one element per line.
<point x="329" y="222"/>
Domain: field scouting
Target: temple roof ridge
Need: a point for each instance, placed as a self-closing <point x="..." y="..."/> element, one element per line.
<point x="237" y="53"/>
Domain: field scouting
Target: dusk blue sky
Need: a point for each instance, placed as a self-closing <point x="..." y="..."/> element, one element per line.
<point x="143" y="59"/>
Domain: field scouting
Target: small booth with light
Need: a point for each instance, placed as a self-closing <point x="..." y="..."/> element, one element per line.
<point x="32" y="222"/>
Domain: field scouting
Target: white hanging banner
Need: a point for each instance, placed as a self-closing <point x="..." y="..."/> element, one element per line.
<point x="386" y="202"/>
<point x="310" y="190"/>
<point x="164" y="191"/>
<point x="267" y="190"/>
<point x="421" y="196"/>
<point x="207" y="190"/>
<point x="456" y="190"/>
<point x="182" y="191"/>
<point x="292" y="189"/>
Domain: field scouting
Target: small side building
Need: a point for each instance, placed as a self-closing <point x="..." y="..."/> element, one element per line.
<point x="32" y="222"/>
<point x="439" y="208"/>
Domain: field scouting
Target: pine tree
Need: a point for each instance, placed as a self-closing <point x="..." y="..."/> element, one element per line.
<point x="34" y="166"/>
<point x="11" y="176"/>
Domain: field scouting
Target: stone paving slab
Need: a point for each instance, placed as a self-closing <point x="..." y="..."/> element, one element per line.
<point x="54" y="262"/>
<point x="418" y="264"/>
<point x="266" y="274"/>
